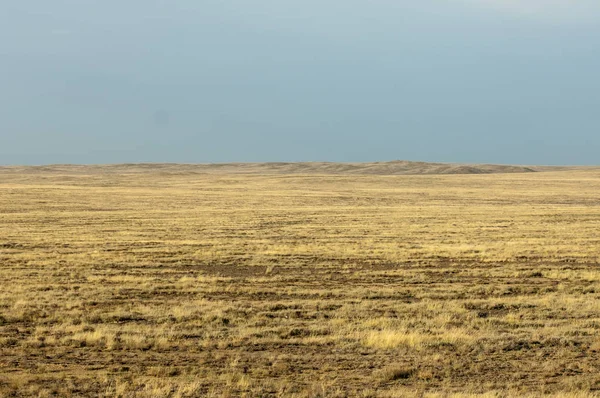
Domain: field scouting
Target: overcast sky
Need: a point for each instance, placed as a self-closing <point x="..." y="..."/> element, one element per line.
<point x="107" y="81"/>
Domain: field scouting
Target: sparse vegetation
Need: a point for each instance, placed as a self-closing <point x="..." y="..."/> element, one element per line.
<point x="172" y="282"/>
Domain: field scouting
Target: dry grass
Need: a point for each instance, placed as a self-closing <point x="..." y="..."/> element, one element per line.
<point x="152" y="283"/>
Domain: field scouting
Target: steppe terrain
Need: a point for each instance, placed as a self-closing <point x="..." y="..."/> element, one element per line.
<point x="299" y="280"/>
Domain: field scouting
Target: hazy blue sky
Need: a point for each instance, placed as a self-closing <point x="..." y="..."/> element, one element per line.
<point x="106" y="81"/>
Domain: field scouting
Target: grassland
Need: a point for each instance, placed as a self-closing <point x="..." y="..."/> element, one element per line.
<point x="152" y="282"/>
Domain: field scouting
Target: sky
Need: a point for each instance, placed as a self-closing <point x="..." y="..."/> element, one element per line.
<point x="202" y="81"/>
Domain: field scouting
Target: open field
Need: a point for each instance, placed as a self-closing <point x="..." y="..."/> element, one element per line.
<point x="145" y="282"/>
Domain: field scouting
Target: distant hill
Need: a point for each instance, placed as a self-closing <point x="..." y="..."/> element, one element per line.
<point x="399" y="167"/>
<point x="376" y="168"/>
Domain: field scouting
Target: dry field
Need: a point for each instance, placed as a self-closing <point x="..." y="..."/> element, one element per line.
<point x="156" y="282"/>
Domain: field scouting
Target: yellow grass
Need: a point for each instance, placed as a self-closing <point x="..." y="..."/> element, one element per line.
<point x="169" y="281"/>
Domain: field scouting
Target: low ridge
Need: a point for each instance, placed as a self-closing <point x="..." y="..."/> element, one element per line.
<point x="399" y="167"/>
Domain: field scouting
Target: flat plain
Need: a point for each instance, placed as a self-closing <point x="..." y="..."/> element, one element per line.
<point x="156" y="281"/>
